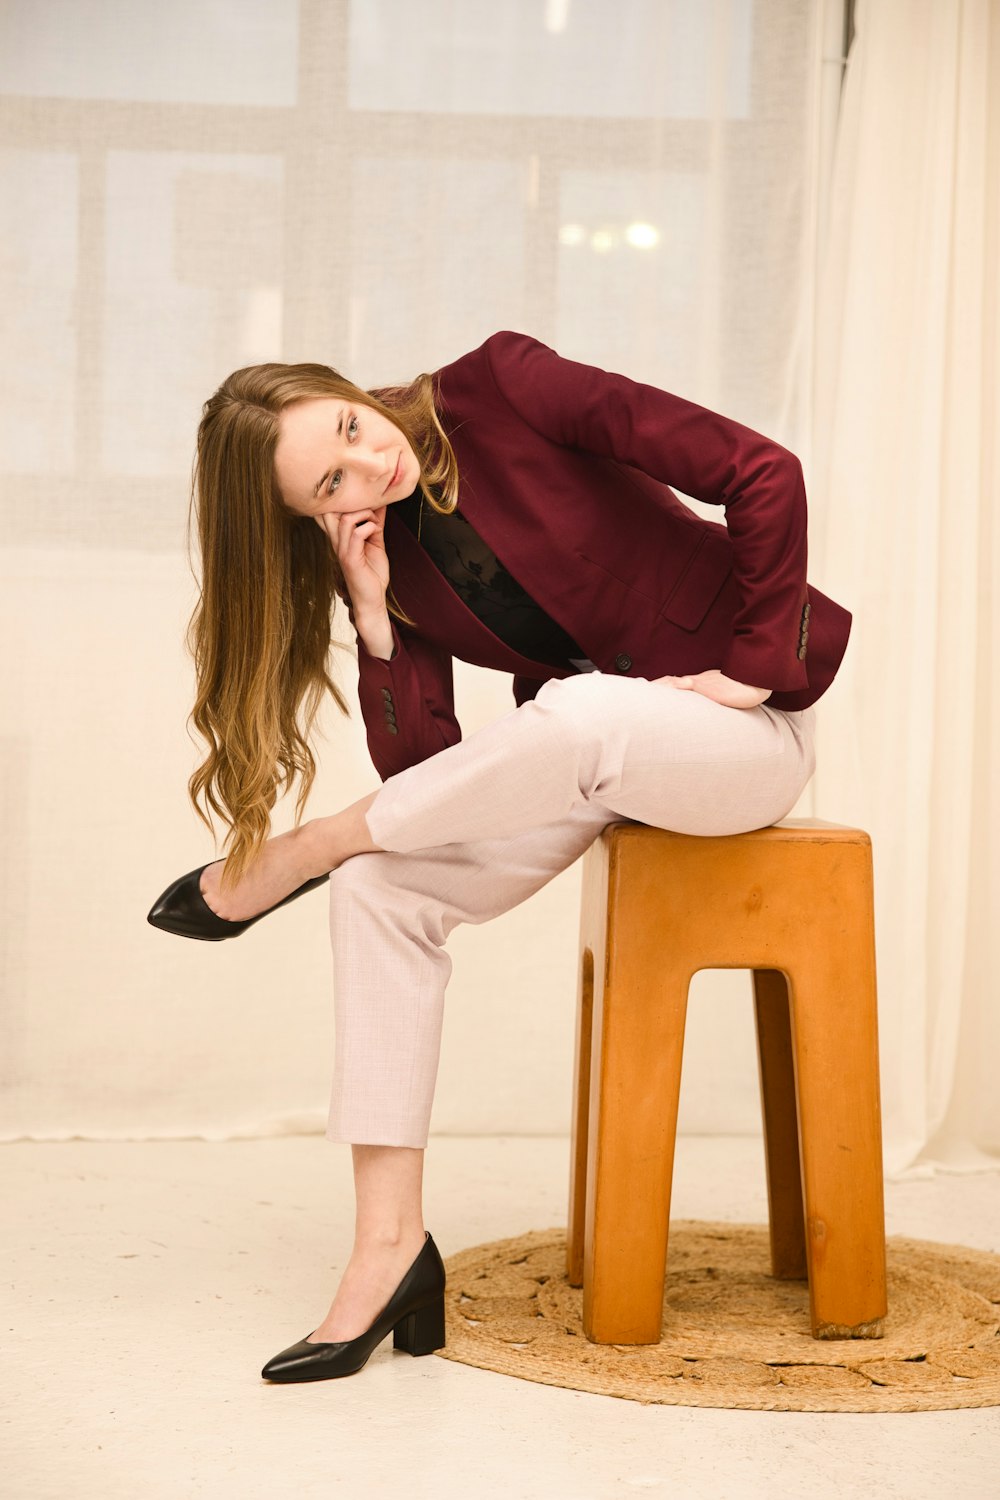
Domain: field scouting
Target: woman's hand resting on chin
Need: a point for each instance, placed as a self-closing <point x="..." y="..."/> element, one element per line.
<point x="725" y="690"/>
<point x="357" y="539"/>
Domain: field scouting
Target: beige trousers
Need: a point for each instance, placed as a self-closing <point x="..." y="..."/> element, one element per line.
<point x="480" y="826"/>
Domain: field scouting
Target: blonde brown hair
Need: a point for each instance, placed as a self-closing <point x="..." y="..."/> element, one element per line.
<point x="260" y="634"/>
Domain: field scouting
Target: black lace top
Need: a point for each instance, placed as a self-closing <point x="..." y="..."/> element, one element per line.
<point x="483" y="583"/>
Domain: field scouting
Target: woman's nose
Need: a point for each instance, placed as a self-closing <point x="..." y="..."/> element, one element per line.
<point x="378" y="466"/>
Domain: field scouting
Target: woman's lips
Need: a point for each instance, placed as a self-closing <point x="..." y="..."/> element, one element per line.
<point x="395" y="472"/>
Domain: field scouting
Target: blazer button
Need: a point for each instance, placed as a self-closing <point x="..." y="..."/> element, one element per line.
<point x="392" y="728"/>
<point x="623" y="662"/>
<point x="386" y="693"/>
<point x="801" y="652"/>
<point x="390" y="717"/>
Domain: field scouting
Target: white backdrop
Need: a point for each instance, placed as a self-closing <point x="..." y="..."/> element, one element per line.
<point x="379" y="185"/>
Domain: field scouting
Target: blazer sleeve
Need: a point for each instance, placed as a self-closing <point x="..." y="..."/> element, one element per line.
<point x="705" y="455"/>
<point x="407" y="702"/>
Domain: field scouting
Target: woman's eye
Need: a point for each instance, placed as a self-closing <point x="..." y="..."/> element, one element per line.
<point x="335" y="480"/>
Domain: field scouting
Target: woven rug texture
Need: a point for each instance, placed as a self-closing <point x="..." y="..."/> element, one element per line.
<point x="733" y="1336"/>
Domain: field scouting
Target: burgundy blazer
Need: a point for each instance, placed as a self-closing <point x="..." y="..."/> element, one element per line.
<point x="565" y="471"/>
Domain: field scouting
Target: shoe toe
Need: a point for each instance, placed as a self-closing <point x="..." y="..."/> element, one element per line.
<point x="300" y="1361"/>
<point x="183" y="910"/>
<point x="322" y="1361"/>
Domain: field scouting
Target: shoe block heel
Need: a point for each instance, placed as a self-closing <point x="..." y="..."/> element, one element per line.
<point x="421" y="1332"/>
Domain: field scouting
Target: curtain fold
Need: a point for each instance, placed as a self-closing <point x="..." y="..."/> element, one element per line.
<point x="905" y="474"/>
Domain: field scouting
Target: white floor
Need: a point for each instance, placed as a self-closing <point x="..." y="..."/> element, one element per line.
<point x="148" y="1282"/>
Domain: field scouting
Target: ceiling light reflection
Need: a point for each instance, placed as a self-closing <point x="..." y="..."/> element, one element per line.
<point x="572" y="234"/>
<point x="642" y="236"/>
<point x="638" y="234"/>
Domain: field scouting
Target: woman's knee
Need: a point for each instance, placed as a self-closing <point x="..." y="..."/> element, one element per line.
<point x="384" y="899"/>
<point x="360" y="876"/>
<point x="586" y="704"/>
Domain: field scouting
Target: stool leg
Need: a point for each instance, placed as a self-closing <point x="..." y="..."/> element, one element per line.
<point x="581" y="1111"/>
<point x="638" y="1041"/>
<point x="835" y="1037"/>
<point x="781" y="1128"/>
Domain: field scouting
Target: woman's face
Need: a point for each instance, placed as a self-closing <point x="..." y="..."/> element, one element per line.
<point x="334" y="456"/>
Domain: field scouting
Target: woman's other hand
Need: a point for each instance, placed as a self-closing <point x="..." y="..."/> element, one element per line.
<point x="716" y="685"/>
<point x="357" y="539"/>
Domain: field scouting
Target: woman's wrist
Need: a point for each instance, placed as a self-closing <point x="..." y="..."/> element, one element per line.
<point x="375" y="631"/>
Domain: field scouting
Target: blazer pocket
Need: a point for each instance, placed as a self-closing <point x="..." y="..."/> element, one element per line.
<point x="695" y="588"/>
<point x="700" y="582"/>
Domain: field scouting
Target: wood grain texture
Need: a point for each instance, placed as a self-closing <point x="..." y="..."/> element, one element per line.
<point x="793" y="903"/>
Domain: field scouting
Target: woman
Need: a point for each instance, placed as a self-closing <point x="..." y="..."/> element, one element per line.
<point x="662" y="673"/>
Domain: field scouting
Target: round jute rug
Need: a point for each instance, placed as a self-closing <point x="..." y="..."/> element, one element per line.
<point x="732" y="1336"/>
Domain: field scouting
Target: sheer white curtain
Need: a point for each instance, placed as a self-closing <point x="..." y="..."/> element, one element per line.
<point x="906" y="471"/>
<point x="190" y="187"/>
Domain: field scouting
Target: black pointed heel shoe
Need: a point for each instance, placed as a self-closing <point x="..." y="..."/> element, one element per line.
<point x="183" y="910"/>
<point x="414" y="1312"/>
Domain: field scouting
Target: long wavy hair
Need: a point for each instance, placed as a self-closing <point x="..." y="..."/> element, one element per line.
<point x="261" y="631"/>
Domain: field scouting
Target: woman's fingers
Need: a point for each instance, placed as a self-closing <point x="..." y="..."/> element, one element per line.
<point x="349" y="521"/>
<point x="353" y="540"/>
<point x="716" y="685"/>
<point x="348" y="538"/>
<point x="357" y="540"/>
<point x="727" y="691"/>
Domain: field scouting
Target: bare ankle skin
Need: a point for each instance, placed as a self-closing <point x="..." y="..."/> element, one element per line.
<point x="388" y="1236"/>
<point x="288" y="860"/>
<point x="342" y="835"/>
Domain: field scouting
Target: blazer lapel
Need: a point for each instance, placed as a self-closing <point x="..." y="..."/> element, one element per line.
<point x="441" y="615"/>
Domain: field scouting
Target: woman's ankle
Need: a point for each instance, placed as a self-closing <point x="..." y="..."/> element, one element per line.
<point x="388" y="1236"/>
<point x="340" y="835"/>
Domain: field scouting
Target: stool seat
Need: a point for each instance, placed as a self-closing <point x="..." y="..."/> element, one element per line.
<point x="794" y="903"/>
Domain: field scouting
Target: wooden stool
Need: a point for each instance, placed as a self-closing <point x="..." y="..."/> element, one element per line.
<point x="794" y="903"/>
